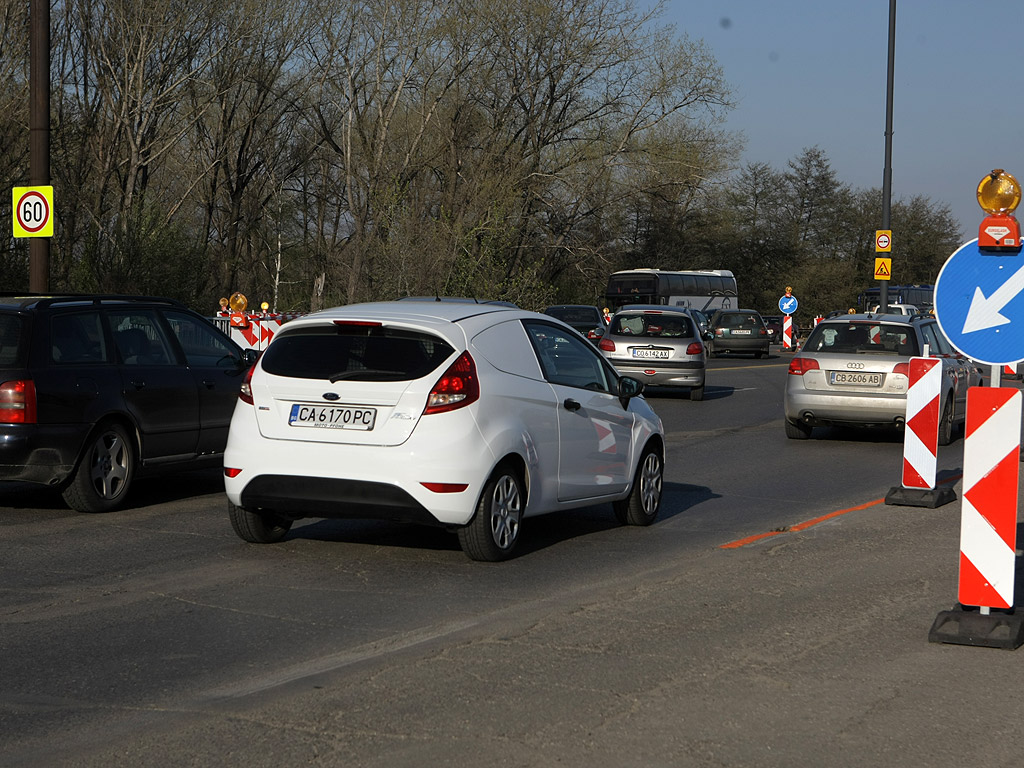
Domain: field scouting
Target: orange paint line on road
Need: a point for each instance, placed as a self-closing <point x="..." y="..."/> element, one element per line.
<point x="810" y="523"/>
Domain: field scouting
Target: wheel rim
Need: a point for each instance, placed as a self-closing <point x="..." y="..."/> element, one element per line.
<point x="109" y="470"/>
<point x="506" y="511"/>
<point x="650" y="484"/>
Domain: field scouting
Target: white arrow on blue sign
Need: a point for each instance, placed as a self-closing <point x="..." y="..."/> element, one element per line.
<point x="788" y="305"/>
<point x="979" y="305"/>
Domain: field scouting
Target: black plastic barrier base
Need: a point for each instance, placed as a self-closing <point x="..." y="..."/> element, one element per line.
<point x="920" y="497"/>
<point x="971" y="627"/>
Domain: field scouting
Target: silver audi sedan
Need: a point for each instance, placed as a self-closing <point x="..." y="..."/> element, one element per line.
<point x="854" y="370"/>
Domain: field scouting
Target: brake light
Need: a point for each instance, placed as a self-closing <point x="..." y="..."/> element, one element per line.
<point x="245" y="391"/>
<point x="358" y="323"/>
<point x="606" y="345"/>
<point x="457" y="387"/>
<point x="694" y="348"/>
<point x="18" y="402"/>
<point x="902" y="368"/>
<point x="798" y="366"/>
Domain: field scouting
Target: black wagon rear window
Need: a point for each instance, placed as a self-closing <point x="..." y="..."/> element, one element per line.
<point x="355" y="353"/>
<point x="11" y="330"/>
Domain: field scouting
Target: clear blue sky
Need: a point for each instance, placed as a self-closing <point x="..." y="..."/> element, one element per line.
<point x="813" y="73"/>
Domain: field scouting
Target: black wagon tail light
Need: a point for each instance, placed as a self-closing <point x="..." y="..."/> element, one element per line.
<point x="18" y="402"/>
<point x="457" y="387"/>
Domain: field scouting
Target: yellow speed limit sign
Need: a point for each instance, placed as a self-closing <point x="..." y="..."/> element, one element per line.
<point x="33" y="211"/>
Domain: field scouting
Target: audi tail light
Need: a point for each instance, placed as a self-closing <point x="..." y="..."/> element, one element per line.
<point x="798" y="366"/>
<point x="457" y="387"/>
<point x="902" y="369"/>
<point x="18" y="402"/>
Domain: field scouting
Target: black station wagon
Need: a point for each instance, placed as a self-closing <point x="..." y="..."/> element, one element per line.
<point x="95" y="390"/>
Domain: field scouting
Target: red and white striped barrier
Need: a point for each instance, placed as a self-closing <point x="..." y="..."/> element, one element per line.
<point x="787" y="331"/>
<point x="988" y="517"/>
<point x="921" y="435"/>
<point x="254" y="329"/>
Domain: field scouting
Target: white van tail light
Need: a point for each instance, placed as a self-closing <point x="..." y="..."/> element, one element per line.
<point x="457" y="387"/>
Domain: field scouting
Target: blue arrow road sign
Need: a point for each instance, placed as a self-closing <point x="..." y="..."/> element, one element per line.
<point x="980" y="306"/>
<point x="788" y="305"/>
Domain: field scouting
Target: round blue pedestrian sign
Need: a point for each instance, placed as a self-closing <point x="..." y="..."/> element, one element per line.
<point x="980" y="306"/>
<point x="788" y="305"/>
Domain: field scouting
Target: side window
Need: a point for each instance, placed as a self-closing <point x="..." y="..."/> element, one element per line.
<point x="567" y="359"/>
<point x="203" y="347"/>
<point x="77" y="338"/>
<point x="937" y="344"/>
<point x="139" y="338"/>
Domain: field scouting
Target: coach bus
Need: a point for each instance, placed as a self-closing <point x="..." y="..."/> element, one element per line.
<point x="920" y="296"/>
<point x="703" y="289"/>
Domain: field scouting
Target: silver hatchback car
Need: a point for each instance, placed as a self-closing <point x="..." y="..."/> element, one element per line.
<point x="854" y="370"/>
<point x="658" y="344"/>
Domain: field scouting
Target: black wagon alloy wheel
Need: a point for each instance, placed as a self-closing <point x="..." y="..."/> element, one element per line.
<point x="644" y="500"/>
<point x="494" y="530"/>
<point x="104" y="474"/>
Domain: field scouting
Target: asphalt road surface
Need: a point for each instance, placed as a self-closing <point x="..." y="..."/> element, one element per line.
<point x="777" y="614"/>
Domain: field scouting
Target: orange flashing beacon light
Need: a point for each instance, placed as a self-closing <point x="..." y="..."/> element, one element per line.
<point x="999" y="196"/>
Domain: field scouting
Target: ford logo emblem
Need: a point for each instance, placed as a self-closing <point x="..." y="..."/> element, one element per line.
<point x="336" y="396"/>
<point x="855" y="365"/>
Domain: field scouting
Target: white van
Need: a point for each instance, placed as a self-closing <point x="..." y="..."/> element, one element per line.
<point x="900" y="309"/>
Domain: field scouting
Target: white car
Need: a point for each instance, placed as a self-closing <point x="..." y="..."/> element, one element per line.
<point x="467" y="416"/>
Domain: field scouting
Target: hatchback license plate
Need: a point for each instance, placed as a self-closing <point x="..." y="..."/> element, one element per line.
<point x="332" y="416"/>
<point x="741" y="332"/>
<point x="857" y="379"/>
<point x="648" y="354"/>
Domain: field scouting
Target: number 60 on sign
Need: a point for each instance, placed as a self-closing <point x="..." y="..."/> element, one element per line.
<point x="33" y="211"/>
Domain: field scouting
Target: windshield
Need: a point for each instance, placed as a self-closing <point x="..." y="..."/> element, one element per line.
<point x="663" y="325"/>
<point x="863" y="338"/>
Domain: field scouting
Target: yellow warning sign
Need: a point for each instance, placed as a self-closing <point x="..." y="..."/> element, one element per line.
<point x="883" y="269"/>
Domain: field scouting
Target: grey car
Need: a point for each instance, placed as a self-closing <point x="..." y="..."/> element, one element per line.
<point x="739" y="330"/>
<point x="854" y="370"/>
<point x="660" y="345"/>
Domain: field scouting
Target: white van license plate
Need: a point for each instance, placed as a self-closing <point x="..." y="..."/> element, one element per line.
<point x="332" y="416"/>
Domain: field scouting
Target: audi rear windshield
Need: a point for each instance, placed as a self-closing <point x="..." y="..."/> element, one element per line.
<point x="864" y="338"/>
<point x="354" y="353"/>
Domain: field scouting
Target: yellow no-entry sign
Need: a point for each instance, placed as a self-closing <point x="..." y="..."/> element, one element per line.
<point x="883" y="240"/>
<point x="33" y="211"/>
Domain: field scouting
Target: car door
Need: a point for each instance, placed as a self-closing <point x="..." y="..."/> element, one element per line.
<point x="594" y="429"/>
<point x="217" y="370"/>
<point x="158" y="389"/>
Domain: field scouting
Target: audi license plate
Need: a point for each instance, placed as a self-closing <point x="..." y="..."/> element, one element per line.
<point x="651" y="354"/>
<point x="857" y="379"/>
<point x="332" y="416"/>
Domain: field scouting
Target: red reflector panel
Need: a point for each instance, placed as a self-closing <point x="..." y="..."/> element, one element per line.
<point x="445" y="487"/>
<point x="232" y="472"/>
<point x="18" y="402"/>
<point x="457" y="387"/>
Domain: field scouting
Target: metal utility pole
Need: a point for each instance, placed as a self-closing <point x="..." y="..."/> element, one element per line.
<point x="39" y="133"/>
<point x="883" y="289"/>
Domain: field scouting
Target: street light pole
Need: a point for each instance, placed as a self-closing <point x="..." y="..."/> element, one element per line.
<point x="883" y="289"/>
